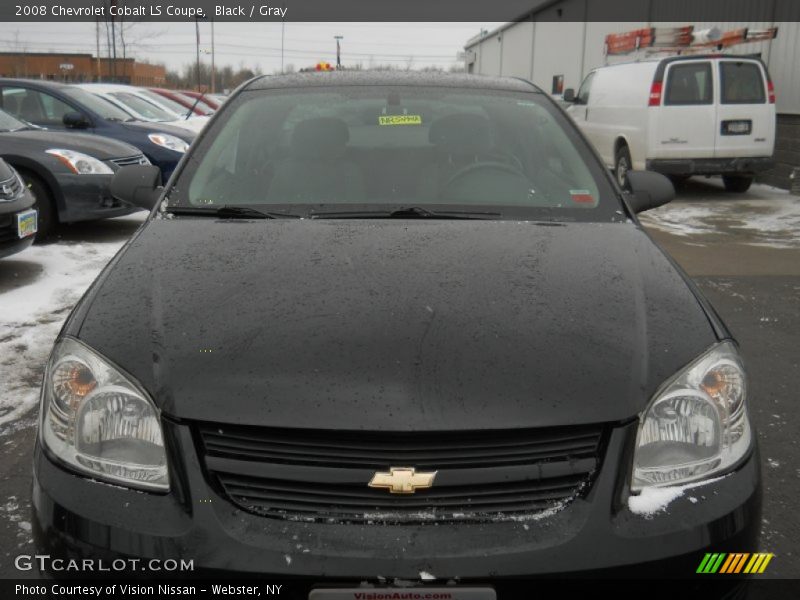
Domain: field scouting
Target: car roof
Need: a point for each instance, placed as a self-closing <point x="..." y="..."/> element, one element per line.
<point x="33" y="82"/>
<point x="389" y="78"/>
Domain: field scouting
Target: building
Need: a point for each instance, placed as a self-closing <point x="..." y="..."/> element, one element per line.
<point x="80" y="68"/>
<point x="558" y="43"/>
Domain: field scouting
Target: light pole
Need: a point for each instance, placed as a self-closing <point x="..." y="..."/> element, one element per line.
<point x="338" y="51"/>
<point x="197" y="36"/>
<point x="213" y="66"/>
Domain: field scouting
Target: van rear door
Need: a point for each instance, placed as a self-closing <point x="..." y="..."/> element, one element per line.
<point x="685" y="125"/>
<point x="745" y="116"/>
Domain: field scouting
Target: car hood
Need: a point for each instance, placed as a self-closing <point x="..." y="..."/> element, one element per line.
<point x="394" y="324"/>
<point x="36" y="140"/>
<point x="145" y="127"/>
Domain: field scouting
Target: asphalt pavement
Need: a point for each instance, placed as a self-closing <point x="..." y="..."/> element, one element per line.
<point x="743" y="250"/>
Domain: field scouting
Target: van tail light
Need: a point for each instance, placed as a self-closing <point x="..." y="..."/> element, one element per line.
<point x="771" y="90"/>
<point x="655" y="94"/>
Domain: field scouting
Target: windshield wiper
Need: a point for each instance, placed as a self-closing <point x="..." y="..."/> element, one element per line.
<point x="227" y="211"/>
<point x="412" y="212"/>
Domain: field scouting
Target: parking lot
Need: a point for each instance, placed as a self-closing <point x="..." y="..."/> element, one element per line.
<point x="743" y="250"/>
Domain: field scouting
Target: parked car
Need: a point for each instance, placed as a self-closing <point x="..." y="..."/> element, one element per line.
<point x="18" y="222"/>
<point x="682" y="116"/>
<point x="68" y="173"/>
<point x="140" y="105"/>
<point x="377" y="306"/>
<point x="60" y="107"/>
<point x="199" y="108"/>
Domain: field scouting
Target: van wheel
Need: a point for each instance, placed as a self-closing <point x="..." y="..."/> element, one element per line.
<point x="737" y="183"/>
<point x="622" y="164"/>
<point x="47" y="218"/>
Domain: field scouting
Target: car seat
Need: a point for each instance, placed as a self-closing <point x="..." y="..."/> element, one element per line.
<point x="317" y="170"/>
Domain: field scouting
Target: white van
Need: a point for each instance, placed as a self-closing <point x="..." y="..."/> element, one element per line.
<point x="681" y="116"/>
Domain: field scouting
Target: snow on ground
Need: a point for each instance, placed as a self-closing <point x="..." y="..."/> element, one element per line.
<point x="765" y="216"/>
<point x="32" y="315"/>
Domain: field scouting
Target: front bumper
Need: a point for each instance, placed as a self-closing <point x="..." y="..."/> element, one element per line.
<point x="10" y="242"/>
<point x="710" y="166"/>
<point x="87" y="198"/>
<point x="597" y="534"/>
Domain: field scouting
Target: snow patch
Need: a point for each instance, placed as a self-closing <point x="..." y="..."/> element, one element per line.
<point x="653" y="500"/>
<point x="33" y="314"/>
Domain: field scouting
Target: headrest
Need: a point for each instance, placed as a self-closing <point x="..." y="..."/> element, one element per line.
<point x="324" y="137"/>
<point x="461" y="133"/>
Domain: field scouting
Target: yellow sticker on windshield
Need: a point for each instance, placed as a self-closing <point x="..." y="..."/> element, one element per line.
<point x="400" y="120"/>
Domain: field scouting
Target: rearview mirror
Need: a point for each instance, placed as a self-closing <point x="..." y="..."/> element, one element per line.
<point x="137" y="185"/>
<point x="75" y="120"/>
<point x="648" y="190"/>
<point x="569" y="95"/>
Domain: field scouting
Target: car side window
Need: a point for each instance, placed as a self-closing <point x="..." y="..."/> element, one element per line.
<point x="585" y="89"/>
<point x="689" y="83"/>
<point x="34" y="106"/>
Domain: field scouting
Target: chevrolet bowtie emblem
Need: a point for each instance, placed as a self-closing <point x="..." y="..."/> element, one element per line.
<point x="402" y="480"/>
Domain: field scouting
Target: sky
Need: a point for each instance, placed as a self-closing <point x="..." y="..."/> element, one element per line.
<point x="259" y="44"/>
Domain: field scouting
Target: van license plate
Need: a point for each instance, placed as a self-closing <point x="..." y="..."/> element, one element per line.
<point x="26" y="223"/>
<point x="444" y="593"/>
<point x="740" y="127"/>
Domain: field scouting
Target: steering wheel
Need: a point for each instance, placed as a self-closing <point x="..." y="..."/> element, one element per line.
<point x="484" y="165"/>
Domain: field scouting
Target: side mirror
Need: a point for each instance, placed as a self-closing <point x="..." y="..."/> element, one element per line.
<point x="569" y="95"/>
<point x="75" y="120"/>
<point x="137" y="185"/>
<point x="648" y="190"/>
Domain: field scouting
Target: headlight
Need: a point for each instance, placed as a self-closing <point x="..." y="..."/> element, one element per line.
<point x="99" y="422"/>
<point x="169" y="141"/>
<point x="79" y="163"/>
<point x="697" y="425"/>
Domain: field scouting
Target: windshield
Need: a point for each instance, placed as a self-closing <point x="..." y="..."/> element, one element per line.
<point x="101" y="106"/>
<point x="143" y="108"/>
<point x="165" y="103"/>
<point x="378" y="148"/>
<point x="9" y="123"/>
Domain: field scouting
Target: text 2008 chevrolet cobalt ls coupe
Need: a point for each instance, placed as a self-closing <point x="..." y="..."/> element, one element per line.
<point x="385" y="326"/>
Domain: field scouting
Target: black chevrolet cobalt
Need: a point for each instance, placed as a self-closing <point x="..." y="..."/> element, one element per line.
<point x="387" y="327"/>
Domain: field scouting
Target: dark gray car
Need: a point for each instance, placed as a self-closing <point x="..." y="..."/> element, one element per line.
<point x="68" y="173"/>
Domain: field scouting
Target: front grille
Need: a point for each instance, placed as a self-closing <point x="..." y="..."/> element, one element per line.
<point x="10" y="189"/>
<point x="315" y="475"/>
<point x="139" y="159"/>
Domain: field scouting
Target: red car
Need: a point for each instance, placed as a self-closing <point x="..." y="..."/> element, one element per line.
<point x="213" y="101"/>
<point x="184" y="101"/>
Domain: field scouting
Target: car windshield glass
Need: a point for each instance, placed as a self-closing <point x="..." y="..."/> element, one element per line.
<point x="9" y="123"/>
<point x="142" y="107"/>
<point x="101" y="106"/>
<point x="376" y="148"/>
<point x="165" y="103"/>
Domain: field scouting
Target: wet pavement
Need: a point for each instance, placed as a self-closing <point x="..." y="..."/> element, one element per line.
<point x="743" y="250"/>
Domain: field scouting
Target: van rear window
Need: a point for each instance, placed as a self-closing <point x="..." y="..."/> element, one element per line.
<point x="742" y="83"/>
<point x="689" y="83"/>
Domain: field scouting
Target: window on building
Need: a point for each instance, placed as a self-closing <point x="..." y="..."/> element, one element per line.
<point x="558" y="84"/>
